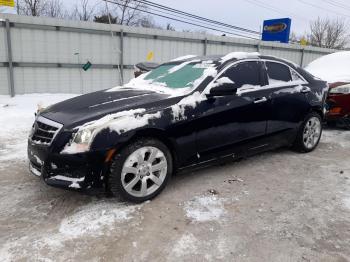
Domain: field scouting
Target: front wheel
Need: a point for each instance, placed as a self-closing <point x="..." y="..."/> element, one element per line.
<point x="309" y="133"/>
<point x="141" y="170"/>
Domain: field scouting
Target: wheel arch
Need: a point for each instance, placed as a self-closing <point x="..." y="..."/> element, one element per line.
<point x="318" y="110"/>
<point x="156" y="134"/>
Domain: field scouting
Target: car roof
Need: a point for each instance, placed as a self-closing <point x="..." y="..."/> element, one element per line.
<point x="235" y="56"/>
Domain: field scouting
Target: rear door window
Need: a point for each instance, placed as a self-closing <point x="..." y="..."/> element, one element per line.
<point x="278" y="73"/>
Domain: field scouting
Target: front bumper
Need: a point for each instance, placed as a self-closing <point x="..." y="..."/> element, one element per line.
<point x="75" y="171"/>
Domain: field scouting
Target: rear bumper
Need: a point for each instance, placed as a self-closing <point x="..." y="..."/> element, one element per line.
<point x="75" y="171"/>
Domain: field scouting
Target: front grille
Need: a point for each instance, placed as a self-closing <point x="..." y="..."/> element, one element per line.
<point x="44" y="131"/>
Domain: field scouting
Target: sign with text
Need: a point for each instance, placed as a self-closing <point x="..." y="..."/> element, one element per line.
<point x="277" y="30"/>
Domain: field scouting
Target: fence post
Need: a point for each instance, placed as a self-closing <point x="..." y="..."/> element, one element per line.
<point x="9" y="57"/>
<point x="205" y="46"/>
<point x="302" y="57"/>
<point x="121" y="61"/>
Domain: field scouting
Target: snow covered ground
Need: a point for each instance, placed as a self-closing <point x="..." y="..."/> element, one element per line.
<point x="16" y="119"/>
<point x="277" y="206"/>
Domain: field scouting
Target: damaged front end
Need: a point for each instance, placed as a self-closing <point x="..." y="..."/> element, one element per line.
<point x="80" y="170"/>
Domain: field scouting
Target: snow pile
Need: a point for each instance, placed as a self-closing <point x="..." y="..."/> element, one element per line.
<point x="190" y="101"/>
<point x="250" y="88"/>
<point x="205" y="208"/>
<point x="74" y="181"/>
<point x="332" y="68"/>
<point x="96" y="219"/>
<point x="239" y="55"/>
<point x="16" y="119"/>
<point x="127" y="123"/>
<point x="119" y="122"/>
<point x="185" y="57"/>
<point x="109" y="118"/>
<point x="186" y="245"/>
<point x="221" y="81"/>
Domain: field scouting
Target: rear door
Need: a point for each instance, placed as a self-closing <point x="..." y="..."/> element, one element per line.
<point x="289" y="104"/>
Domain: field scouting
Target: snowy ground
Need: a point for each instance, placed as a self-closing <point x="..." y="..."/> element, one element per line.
<point x="278" y="206"/>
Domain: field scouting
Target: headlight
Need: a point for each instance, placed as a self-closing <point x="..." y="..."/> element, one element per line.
<point x="83" y="136"/>
<point x="80" y="142"/>
<point x="344" y="89"/>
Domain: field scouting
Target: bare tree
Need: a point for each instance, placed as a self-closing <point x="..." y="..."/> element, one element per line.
<point x="170" y="27"/>
<point x="54" y="8"/>
<point x="32" y="7"/>
<point x="328" y="33"/>
<point x="83" y="11"/>
<point x="128" y="12"/>
<point x="105" y="18"/>
<point x="147" y="22"/>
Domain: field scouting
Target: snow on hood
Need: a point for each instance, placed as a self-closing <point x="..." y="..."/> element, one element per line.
<point x="119" y="122"/>
<point x="332" y="68"/>
<point x="239" y="55"/>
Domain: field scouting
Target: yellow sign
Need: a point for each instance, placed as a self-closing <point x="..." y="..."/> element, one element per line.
<point x="149" y="57"/>
<point x="303" y="42"/>
<point x="10" y="3"/>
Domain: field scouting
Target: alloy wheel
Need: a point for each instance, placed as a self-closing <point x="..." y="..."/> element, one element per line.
<point x="144" y="171"/>
<point x="312" y="132"/>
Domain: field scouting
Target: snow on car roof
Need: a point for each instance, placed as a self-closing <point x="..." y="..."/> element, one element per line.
<point x="219" y="58"/>
<point x="332" y="68"/>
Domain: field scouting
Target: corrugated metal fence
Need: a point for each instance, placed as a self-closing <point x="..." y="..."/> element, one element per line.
<point x="44" y="55"/>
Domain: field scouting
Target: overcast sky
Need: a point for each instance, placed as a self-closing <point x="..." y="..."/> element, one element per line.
<point x="251" y="13"/>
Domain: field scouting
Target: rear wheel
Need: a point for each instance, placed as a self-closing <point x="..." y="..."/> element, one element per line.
<point x="309" y="133"/>
<point x="141" y="170"/>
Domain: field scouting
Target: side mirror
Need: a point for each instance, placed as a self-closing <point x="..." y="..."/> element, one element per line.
<point x="226" y="89"/>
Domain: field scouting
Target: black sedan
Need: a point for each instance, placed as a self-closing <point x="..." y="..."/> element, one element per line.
<point x="183" y="114"/>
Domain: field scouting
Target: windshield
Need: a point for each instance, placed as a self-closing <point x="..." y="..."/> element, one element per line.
<point x="175" y="78"/>
<point x="176" y="75"/>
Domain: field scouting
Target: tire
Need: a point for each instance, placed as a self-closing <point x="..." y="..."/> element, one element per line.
<point x="309" y="133"/>
<point x="131" y="174"/>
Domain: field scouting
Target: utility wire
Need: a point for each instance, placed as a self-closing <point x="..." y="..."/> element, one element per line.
<point x="336" y="4"/>
<point x="322" y="8"/>
<point x="274" y="9"/>
<point x="189" y="19"/>
<point x="196" y="16"/>
<point x="182" y="21"/>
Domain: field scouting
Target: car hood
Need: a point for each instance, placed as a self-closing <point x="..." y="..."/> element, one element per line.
<point x="85" y="108"/>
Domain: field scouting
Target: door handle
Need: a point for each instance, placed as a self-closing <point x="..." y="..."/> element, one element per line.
<point x="305" y="89"/>
<point x="260" y="100"/>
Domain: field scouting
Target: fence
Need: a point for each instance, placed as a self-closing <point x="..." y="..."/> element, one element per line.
<point x="45" y="55"/>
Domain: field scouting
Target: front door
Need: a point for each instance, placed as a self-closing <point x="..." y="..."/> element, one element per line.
<point x="225" y="122"/>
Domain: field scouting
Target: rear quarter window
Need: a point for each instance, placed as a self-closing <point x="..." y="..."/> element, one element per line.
<point x="278" y="72"/>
